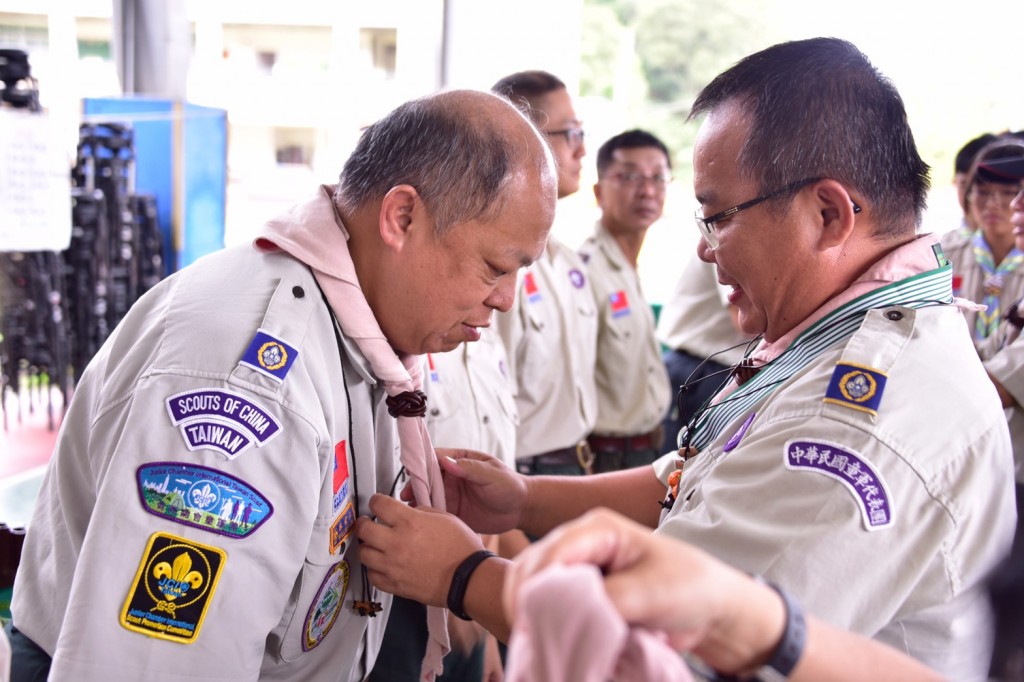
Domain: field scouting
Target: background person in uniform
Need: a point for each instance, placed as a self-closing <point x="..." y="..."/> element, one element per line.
<point x="987" y="267"/>
<point x="633" y="173"/>
<point x="295" y="403"/>
<point x="961" y="179"/>
<point x="1003" y="352"/>
<point x="850" y="445"/>
<point x="551" y="332"/>
<point x="698" y="328"/>
<point x="470" y="403"/>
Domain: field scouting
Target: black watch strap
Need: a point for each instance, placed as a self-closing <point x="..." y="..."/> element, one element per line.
<point x="788" y="651"/>
<point x="791" y="646"/>
<point x="460" y="579"/>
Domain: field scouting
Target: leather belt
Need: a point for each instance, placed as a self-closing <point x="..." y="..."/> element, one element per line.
<point x="643" y="441"/>
<point x="579" y="454"/>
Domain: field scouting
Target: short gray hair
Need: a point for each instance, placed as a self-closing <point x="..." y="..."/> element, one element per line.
<point x="455" y="156"/>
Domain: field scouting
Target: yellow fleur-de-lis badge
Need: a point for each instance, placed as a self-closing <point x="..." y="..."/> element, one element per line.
<point x="172" y="589"/>
<point x="177" y="578"/>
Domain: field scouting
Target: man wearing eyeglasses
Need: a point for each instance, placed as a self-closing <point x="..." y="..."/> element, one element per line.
<point x="551" y="332"/>
<point x="843" y="463"/>
<point x="633" y="171"/>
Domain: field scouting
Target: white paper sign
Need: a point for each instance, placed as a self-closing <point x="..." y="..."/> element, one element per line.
<point x="35" y="184"/>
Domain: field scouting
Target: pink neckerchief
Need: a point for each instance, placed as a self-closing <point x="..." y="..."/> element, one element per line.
<point x="313" y="233"/>
<point x="911" y="259"/>
<point x="566" y="628"/>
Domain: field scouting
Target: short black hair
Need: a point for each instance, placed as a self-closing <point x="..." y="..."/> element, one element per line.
<point x="1002" y="147"/>
<point x="819" y="108"/>
<point x="459" y="164"/>
<point x="525" y="88"/>
<point x="965" y="157"/>
<point x="631" y="139"/>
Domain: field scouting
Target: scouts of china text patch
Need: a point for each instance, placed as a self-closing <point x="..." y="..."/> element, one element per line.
<point x="269" y="355"/>
<point x="341" y="527"/>
<point x="203" y="498"/>
<point x="326" y="606"/>
<point x="220" y="420"/>
<point x="860" y="478"/>
<point x="172" y="588"/>
<point x="856" y="386"/>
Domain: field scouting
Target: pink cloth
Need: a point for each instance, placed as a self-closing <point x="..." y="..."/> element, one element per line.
<point x="566" y="628"/>
<point x="313" y="233"/>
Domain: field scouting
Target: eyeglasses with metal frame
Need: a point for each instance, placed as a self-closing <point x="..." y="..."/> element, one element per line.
<point x="573" y="136"/>
<point x="634" y="179"/>
<point x="707" y="225"/>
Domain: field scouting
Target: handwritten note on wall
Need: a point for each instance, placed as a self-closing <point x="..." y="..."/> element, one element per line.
<point x="35" y="185"/>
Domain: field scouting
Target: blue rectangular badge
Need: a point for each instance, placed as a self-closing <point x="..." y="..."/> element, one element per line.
<point x="856" y="386"/>
<point x="269" y="355"/>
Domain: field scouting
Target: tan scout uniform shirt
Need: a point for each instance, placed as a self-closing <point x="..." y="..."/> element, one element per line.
<point x="1003" y="354"/>
<point x="633" y="391"/>
<point x="469" y="398"/>
<point x="696" y="319"/>
<point x="550" y="336"/>
<point x="914" y="577"/>
<point x="969" y="278"/>
<point x="194" y="521"/>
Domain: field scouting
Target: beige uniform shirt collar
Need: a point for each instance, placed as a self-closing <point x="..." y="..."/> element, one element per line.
<point x="610" y="248"/>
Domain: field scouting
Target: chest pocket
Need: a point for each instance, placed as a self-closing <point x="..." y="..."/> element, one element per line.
<point x="318" y="606"/>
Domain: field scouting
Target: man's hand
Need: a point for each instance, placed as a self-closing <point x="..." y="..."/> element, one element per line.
<point x="413" y="552"/>
<point x="481" y="490"/>
<point x="653" y="581"/>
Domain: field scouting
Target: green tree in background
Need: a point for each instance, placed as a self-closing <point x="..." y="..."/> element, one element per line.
<point x="653" y="57"/>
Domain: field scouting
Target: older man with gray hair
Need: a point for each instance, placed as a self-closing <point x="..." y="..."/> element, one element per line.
<point x="279" y="380"/>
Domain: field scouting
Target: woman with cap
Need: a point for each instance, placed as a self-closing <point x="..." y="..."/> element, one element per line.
<point x="988" y="268"/>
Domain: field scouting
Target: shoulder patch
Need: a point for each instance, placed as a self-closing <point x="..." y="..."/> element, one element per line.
<point x="172" y="588"/>
<point x="269" y="355"/>
<point x="856" y="386"/>
<point x="326" y="606"/>
<point x="849" y="468"/>
<point x="220" y="420"/>
<point x="203" y="498"/>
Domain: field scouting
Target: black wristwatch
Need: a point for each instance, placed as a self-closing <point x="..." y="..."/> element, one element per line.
<point x="787" y="654"/>
<point x="791" y="647"/>
<point x="460" y="579"/>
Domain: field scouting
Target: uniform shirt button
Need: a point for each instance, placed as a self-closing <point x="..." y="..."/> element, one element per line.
<point x="434" y="412"/>
<point x="894" y="315"/>
<point x="298" y="292"/>
<point x="486" y="419"/>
